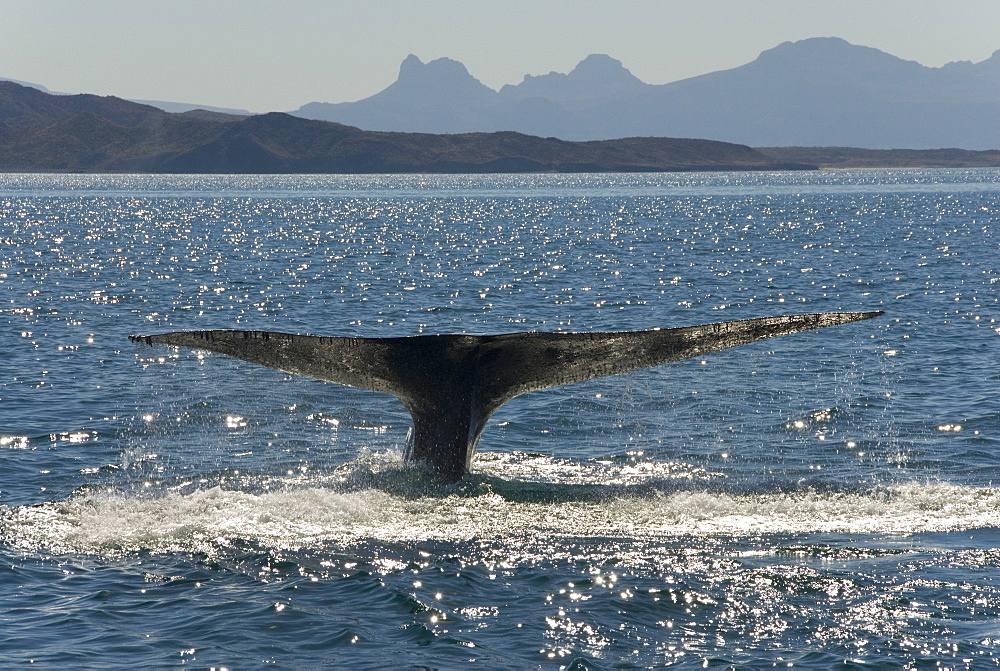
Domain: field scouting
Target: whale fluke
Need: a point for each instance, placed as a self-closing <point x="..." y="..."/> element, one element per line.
<point x="452" y="384"/>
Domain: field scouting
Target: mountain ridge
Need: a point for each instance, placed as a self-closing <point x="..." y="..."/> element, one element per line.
<point x="816" y="92"/>
<point x="86" y="133"/>
<point x="164" y="105"/>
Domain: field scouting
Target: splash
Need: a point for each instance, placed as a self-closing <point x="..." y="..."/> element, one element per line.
<point x="380" y="499"/>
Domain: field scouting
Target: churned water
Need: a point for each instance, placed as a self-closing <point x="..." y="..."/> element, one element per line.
<point x="829" y="499"/>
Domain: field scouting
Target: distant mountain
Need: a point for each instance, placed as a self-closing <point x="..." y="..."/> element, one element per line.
<point x="596" y="80"/>
<point x="177" y="108"/>
<point x="815" y="92"/>
<point x="851" y="157"/>
<point x="161" y="104"/>
<point x="31" y="85"/>
<point x="436" y="97"/>
<point x="87" y="133"/>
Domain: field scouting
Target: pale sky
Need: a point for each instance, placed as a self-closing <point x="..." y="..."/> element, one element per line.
<point x="266" y="55"/>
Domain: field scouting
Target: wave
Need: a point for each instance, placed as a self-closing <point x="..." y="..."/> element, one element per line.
<point x="378" y="498"/>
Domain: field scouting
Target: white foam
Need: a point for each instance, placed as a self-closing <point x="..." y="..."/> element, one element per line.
<point x="110" y="522"/>
<point x="315" y="512"/>
<point x="899" y="509"/>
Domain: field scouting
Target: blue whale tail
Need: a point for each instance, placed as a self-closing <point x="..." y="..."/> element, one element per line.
<point x="452" y="384"/>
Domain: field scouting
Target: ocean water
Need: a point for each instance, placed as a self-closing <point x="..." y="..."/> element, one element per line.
<point x="829" y="499"/>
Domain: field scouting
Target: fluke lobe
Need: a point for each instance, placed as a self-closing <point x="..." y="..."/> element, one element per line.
<point x="452" y="384"/>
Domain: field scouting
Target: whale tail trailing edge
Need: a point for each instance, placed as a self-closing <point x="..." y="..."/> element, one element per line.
<point x="452" y="384"/>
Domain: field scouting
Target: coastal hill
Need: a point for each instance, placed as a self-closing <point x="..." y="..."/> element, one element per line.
<point x="814" y="92"/>
<point x="852" y="157"/>
<point x="87" y="133"/>
<point x="166" y="106"/>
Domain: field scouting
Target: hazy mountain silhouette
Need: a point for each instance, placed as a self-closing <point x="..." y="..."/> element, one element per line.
<point x="597" y="79"/>
<point x="815" y="92"/>
<point x="436" y="97"/>
<point x="164" y="105"/>
<point x="87" y="133"/>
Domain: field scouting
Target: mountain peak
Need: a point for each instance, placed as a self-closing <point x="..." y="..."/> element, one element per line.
<point x="436" y="82"/>
<point x="600" y="64"/>
<point x="592" y="80"/>
<point x="409" y="65"/>
<point x="413" y="67"/>
<point x="824" y="52"/>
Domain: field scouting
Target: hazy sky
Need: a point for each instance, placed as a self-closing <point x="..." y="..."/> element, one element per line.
<point x="266" y="55"/>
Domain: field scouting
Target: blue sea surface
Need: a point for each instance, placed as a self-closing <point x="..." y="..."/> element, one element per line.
<point x="829" y="499"/>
